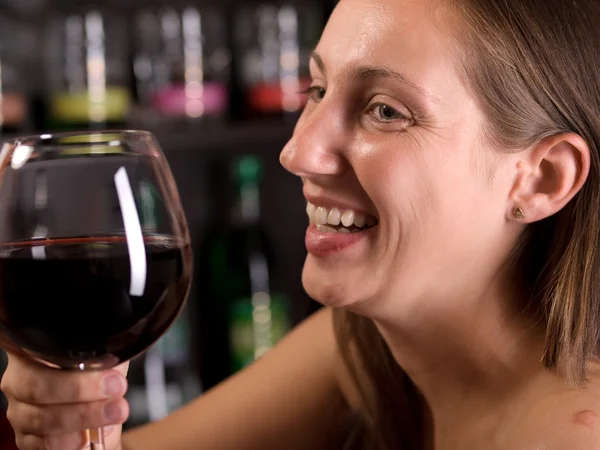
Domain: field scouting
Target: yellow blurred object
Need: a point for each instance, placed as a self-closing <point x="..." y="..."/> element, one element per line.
<point x="78" y="107"/>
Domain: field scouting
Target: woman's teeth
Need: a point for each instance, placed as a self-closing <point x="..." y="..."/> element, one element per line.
<point x="334" y="220"/>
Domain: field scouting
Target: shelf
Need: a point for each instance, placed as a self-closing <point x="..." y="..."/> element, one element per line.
<point x="224" y="137"/>
<point x="213" y="137"/>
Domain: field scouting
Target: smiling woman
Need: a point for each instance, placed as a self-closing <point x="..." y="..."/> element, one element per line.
<point x="469" y="131"/>
<point x="450" y="159"/>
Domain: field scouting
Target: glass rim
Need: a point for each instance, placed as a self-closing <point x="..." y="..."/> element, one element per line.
<point x="40" y="138"/>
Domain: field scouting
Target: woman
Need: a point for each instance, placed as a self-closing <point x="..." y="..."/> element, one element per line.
<point x="458" y="143"/>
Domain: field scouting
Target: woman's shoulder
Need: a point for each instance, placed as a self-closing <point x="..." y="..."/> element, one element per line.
<point x="290" y="398"/>
<point x="567" y="419"/>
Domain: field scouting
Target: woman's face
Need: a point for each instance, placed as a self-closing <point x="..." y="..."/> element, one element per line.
<point x="391" y="144"/>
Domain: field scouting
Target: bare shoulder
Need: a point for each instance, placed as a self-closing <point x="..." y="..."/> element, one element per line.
<point x="568" y="420"/>
<point x="320" y="328"/>
<point x="290" y="398"/>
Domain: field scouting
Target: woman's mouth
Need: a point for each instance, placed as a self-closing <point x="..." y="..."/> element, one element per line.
<point x="336" y="220"/>
<point x="334" y="229"/>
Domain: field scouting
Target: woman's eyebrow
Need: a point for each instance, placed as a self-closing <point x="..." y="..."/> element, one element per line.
<point x="364" y="73"/>
<point x="318" y="61"/>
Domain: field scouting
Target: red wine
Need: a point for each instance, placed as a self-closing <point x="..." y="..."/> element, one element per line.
<point x="69" y="302"/>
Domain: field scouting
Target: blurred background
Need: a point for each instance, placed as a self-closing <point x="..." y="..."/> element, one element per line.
<point x="219" y="83"/>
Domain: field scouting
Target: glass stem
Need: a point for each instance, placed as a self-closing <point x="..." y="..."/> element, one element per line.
<point x="96" y="438"/>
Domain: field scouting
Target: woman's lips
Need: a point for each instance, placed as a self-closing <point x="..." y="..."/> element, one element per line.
<point x="320" y="243"/>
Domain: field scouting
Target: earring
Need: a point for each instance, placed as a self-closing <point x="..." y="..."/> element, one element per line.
<point x="519" y="214"/>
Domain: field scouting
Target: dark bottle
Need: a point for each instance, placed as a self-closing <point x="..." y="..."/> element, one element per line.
<point x="273" y="42"/>
<point x="181" y="64"/>
<point x="17" y="70"/>
<point x="164" y="378"/>
<point x="87" y="67"/>
<point x="241" y="314"/>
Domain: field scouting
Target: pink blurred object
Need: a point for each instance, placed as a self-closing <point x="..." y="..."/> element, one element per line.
<point x="178" y="100"/>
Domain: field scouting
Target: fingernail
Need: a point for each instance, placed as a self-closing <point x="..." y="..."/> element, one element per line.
<point x="113" y="386"/>
<point x="112" y="412"/>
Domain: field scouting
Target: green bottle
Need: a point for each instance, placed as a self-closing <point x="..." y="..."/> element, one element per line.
<point x="240" y="304"/>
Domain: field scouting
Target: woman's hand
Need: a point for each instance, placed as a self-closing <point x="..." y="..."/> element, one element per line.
<point x="51" y="409"/>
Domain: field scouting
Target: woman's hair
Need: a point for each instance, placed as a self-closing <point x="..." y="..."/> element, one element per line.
<point x="534" y="66"/>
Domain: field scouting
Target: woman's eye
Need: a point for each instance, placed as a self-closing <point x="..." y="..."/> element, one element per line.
<point x="387" y="113"/>
<point x="315" y="93"/>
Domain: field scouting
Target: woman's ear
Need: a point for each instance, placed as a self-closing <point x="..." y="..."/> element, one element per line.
<point x="549" y="175"/>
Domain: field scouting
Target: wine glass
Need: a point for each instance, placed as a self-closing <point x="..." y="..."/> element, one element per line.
<point x="95" y="254"/>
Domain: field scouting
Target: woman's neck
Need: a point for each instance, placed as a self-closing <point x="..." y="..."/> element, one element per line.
<point x="471" y="363"/>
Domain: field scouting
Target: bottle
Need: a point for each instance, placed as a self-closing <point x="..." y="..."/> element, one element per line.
<point x="163" y="379"/>
<point x="181" y="64"/>
<point x="86" y="59"/>
<point x="273" y="43"/>
<point x="242" y="313"/>
<point x="17" y="60"/>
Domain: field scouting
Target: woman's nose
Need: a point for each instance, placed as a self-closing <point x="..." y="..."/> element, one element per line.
<point x="318" y="146"/>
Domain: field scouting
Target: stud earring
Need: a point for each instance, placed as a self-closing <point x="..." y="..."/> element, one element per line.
<point x="519" y="214"/>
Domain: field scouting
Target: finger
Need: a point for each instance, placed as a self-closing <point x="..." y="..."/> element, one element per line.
<point x="32" y="383"/>
<point x="75" y="441"/>
<point x="63" y="419"/>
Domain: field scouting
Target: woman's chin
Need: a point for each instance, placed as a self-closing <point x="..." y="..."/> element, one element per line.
<point x="327" y="290"/>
